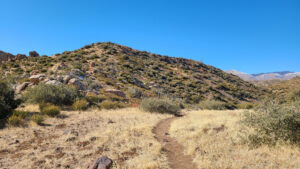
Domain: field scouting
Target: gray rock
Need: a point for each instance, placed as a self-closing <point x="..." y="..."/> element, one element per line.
<point x="77" y="83"/>
<point x="21" y="87"/>
<point x="116" y="92"/>
<point x="67" y="78"/>
<point x="101" y="163"/>
<point x="53" y="82"/>
<point x="35" y="79"/>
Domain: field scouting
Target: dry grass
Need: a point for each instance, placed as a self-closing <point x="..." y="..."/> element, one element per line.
<point x="78" y="138"/>
<point x="212" y="138"/>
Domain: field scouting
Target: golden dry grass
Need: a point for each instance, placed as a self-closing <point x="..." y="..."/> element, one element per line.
<point x="124" y="135"/>
<point x="214" y="146"/>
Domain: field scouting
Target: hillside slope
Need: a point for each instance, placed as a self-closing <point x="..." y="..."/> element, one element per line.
<point x="107" y="65"/>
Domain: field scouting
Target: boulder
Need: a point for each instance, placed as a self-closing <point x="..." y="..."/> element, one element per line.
<point x="20" y="57"/>
<point x="53" y="82"/>
<point x="21" y="87"/>
<point x="67" y="78"/>
<point x="116" y="92"/>
<point x="101" y="163"/>
<point x="35" y="79"/>
<point x="77" y="83"/>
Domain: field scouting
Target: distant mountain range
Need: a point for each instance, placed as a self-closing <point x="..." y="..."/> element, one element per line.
<point x="284" y="75"/>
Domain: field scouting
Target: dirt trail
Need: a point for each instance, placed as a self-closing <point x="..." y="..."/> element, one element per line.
<point x="174" y="151"/>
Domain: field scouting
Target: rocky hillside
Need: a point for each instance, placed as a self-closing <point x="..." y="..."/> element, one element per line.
<point x="284" y="75"/>
<point x="111" y="68"/>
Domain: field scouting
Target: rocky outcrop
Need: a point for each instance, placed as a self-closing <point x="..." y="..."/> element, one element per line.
<point x="116" y="92"/>
<point x="101" y="163"/>
<point x="77" y="83"/>
<point x="53" y="82"/>
<point x="35" y="79"/>
<point x="5" y="56"/>
<point x="22" y="87"/>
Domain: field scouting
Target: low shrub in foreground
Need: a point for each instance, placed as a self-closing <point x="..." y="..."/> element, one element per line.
<point x="245" y="105"/>
<point x="7" y="101"/>
<point x="111" y="105"/>
<point x="49" y="109"/>
<point x="274" y="123"/>
<point x="55" y="94"/>
<point x="161" y="105"/>
<point x="80" y="105"/>
<point x="15" y="120"/>
<point x="212" y="105"/>
<point x="38" y="119"/>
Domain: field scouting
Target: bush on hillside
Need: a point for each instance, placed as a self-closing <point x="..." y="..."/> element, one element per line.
<point x="38" y="119"/>
<point x="7" y="101"/>
<point x="212" y="105"/>
<point x="16" y="121"/>
<point x="55" y="94"/>
<point x="111" y="105"/>
<point x="161" y="105"/>
<point x="134" y="92"/>
<point x="245" y="106"/>
<point x="49" y="109"/>
<point x="80" y="105"/>
<point x="273" y="123"/>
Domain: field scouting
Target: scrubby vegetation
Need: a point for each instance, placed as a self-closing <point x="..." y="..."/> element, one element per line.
<point x="55" y="94"/>
<point x="38" y="119"/>
<point x="111" y="105"/>
<point x="211" y="105"/>
<point x="274" y="123"/>
<point x="7" y="100"/>
<point x="161" y="105"/>
<point x="49" y="109"/>
<point x="80" y="105"/>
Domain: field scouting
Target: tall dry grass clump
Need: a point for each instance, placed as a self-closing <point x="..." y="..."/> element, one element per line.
<point x="211" y="105"/>
<point x="161" y="105"/>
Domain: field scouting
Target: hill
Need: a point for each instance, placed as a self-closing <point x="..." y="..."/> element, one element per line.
<point x="284" y="75"/>
<point x="103" y="68"/>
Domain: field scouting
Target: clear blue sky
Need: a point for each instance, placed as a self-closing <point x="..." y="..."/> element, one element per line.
<point x="248" y="35"/>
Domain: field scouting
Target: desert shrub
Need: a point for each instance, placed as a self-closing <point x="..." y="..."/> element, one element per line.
<point x="245" y="105"/>
<point x="212" y="105"/>
<point x="7" y="101"/>
<point x="161" y="105"/>
<point x="22" y="114"/>
<point x="95" y="99"/>
<point x="49" y="109"/>
<point x="55" y="94"/>
<point x="15" y="120"/>
<point x="293" y="96"/>
<point x="111" y="105"/>
<point x="38" y="119"/>
<point x="274" y="123"/>
<point x="81" y="104"/>
<point x="134" y="92"/>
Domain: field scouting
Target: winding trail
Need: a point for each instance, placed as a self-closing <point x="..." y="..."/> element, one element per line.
<point x="174" y="150"/>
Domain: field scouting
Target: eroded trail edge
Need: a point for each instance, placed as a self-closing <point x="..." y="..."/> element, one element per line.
<point x="174" y="150"/>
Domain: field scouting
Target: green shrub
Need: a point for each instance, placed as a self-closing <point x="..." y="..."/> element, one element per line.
<point x="134" y="92"/>
<point x="273" y="123"/>
<point x="95" y="99"/>
<point x="22" y="114"/>
<point x="212" y="105"/>
<point x="81" y="104"/>
<point x="38" y="119"/>
<point x="161" y="105"/>
<point x="245" y="105"/>
<point x="15" y="120"/>
<point x="7" y="101"/>
<point x="55" y="94"/>
<point x="49" y="109"/>
<point x="111" y="105"/>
